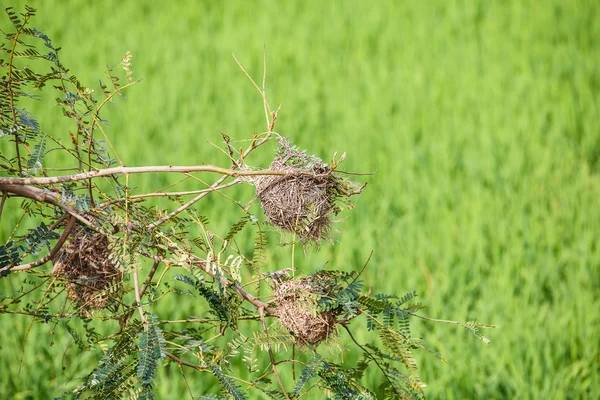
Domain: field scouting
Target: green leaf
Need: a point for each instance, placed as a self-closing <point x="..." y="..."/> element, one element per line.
<point x="236" y="228"/>
<point x="35" y="161"/>
<point x="310" y="371"/>
<point x="228" y="384"/>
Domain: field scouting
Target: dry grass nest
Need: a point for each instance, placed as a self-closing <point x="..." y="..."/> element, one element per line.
<point x="90" y="276"/>
<point x="297" y="310"/>
<point x="303" y="200"/>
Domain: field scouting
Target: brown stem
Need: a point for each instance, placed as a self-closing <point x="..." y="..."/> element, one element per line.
<point x="187" y="364"/>
<point x="135" y="170"/>
<point x="4" y="197"/>
<point x="12" y="99"/>
<point x="150" y="275"/>
<point x="44" y="196"/>
<point x="271" y="356"/>
<point x="349" y="193"/>
<point x="138" y="299"/>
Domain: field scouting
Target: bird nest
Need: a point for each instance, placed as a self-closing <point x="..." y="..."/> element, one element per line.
<point x="297" y="310"/>
<point x="89" y="273"/>
<point x="303" y="200"/>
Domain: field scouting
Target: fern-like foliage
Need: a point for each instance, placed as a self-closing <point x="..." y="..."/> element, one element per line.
<point x="34" y="241"/>
<point x="39" y="238"/>
<point x="116" y="374"/>
<point x="260" y="248"/>
<point x="224" y="306"/>
<point x="311" y="370"/>
<point x="11" y="254"/>
<point x="473" y="328"/>
<point x="236" y="228"/>
<point x="37" y="156"/>
<point x="340" y="382"/>
<point x="228" y="384"/>
<point x="152" y="349"/>
<point x="278" y="341"/>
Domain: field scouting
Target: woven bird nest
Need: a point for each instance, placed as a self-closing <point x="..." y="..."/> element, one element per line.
<point x="90" y="276"/>
<point x="297" y="310"/>
<point x="302" y="201"/>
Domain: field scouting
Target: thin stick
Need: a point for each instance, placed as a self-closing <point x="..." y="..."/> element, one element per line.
<point x="271" y="356"/>
<point x="447" y="321"/>
<point x="150" y="275"/>
<point x="171" y="194"/>
<point x="262" y="93"/>
<point x="33" y="319"/>
<point x="186" y="382"/>
<point x="369" y="354"/>
<point x="138" y="298"/>
<point x="186" y="205"/>
<point x="4" y="197"/>
<point x="187" y="364"/>
<point x="206" y="320"/>
<point x="363" y="268"/>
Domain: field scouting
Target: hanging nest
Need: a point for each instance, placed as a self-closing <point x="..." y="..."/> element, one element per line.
<point x="90" y="275"/>
<point x="297" y="310"/>
<point x="303" y="200"/>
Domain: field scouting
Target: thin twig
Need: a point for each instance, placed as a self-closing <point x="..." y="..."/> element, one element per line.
<point x="187" y="364"/>
<point x="206" y="320"/>
<point x="262" y="93"/>
<point x="349" y="193"/>
<point x="271" y="356"/>
<point x="170" y="194"/>
<point x="9" y="85"/>
<point x="150" y="275"/>
<point x="355" y="173"/>
<point x="186" y="205"/>
<point x="368" y="353"/>
<point x="185" y="381"/>
<point x="4" y="197"/>
<point x="447" y="321"/>
<point x="33" y="319"/>
<point x="362" y="269"/>
<point x="138" y="298"/>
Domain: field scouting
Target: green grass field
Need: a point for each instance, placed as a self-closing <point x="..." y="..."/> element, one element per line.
<point x="481" y="119"/>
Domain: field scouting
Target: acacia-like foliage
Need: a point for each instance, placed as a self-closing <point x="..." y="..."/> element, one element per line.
<point x="112" y="252"/>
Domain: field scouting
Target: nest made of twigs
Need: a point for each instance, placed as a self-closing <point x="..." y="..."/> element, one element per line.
<point x="297" y="311"/>
<point x="90" y="275"/>
<point x="302" y="201"/>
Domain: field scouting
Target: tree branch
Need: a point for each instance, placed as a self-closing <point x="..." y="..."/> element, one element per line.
<point x="134" y="170"/>
<point x="44" y="196"/>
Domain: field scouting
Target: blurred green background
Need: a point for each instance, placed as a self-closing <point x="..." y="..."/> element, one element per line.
<point x="481" y="118"/>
